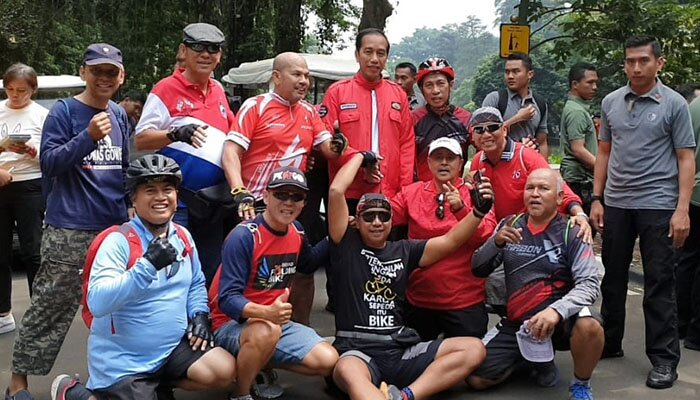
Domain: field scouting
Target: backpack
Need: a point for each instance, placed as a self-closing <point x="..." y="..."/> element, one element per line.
<point x="135" y="251"/>
<point x="503" y="103"/>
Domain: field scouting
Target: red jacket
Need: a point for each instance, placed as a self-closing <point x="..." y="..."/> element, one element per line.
<point x="509" y="175"/>
<point x="448" y="284"/>
<point x="349" y="102"/>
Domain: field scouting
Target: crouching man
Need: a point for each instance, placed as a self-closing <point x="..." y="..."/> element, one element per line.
<point x="371" y="276"/>
<point x="250" y="293"/>
<point x="551" y="283"/>
<point x="147" y="310"/>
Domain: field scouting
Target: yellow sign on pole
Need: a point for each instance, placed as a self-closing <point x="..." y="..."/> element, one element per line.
<point x="514" y="39"/>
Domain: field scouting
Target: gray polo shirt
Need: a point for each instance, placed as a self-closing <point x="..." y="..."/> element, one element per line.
<point x="523" y="129"/>
<point x="644" y="132"/>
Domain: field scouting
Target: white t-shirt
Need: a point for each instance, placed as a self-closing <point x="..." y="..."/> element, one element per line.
<point x="28" y="120"/>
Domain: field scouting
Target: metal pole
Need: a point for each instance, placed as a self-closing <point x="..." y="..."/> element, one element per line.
<point x="523" y="12"/>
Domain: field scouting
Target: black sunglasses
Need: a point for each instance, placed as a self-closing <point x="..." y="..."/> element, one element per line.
<point x="491" y="128"/>
<point x="440" y="212"/>
<point x="369" y="216"/>
<point x="211" y="48"/>
<point x="294" y="196"/>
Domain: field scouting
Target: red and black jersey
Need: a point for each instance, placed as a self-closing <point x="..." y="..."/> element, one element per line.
<point x="428" y="126"/>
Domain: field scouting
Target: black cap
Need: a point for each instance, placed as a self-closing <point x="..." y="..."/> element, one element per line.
<point x="288" y="176"/>
<point x="202" y="33"/>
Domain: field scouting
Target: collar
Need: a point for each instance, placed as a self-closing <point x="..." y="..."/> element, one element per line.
<point x="578" y="101"/>
<point x="654" y="94"/>
<point x="280" y="99"/>
<point x="508" y="152"/>
<point x="178" y="75"/>
<point x="449" y="110"/>
<point x="147" y="235"/>
<point x="512" y="94"/>
<point x="367" y="84"/>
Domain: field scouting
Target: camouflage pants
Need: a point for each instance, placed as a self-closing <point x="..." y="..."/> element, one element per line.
<point x="57" y="292"/>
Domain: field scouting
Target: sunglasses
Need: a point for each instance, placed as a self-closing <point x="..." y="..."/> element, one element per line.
<point x="491" y="128"/>
<point x="284" y="196"/>
<point x="370" y="216"/>
<point x="210" y="48"/>
<point x="440" y="212"/>
<point x="104" y="72"/>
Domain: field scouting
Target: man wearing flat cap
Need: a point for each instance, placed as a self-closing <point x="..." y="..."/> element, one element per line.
<point x="186" y="117"/>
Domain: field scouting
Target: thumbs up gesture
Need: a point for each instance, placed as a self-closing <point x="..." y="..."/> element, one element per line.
<point x="280" y="311"/>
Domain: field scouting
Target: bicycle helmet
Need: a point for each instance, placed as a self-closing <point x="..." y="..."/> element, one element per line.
<point x="152" y="167"/>
<point x="435" y="64"/>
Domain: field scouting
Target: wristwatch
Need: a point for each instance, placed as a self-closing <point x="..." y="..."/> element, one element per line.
<point x="599" y="198"/>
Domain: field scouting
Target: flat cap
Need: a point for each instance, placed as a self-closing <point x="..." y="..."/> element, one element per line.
<point x="201" y="32"/>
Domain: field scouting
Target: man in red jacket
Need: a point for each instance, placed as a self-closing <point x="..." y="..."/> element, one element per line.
<point x="374" y="115"/>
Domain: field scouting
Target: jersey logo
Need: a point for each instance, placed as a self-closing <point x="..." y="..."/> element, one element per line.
<point x="552" y="251"/>
<point x="396" y="106"/>
<point x="517" y="174"/>
<point x="323" y="111"/>
<point x="222" y="110"/>
<point x="651" y="117"/>
<point x="348" y="106"/>
<point x="274" y="271"/>
<point x="182" y="103"/>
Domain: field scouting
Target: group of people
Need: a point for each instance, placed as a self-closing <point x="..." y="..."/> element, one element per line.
<point x="198" y="274"/>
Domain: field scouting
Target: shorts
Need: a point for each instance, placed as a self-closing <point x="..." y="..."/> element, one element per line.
<point x="296" y="342"/>
<point x="143" y="386"/>
<point x="430" y="323"/>
<point x="503" y="353"/>
<point x="389" y="361"/>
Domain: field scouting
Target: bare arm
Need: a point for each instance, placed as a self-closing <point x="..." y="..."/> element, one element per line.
<point x="442" y="246"/>
<point x="337" y="207"/>
<point x="600" y="176"/>
<point x="231" y="161"/>
<point x="152" y="139"/>
<point x="680" y="221"/>
<point x="541" y="139"/>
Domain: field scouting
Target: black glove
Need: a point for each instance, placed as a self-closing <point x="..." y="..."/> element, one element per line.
<point x="339" y="142"/>
<point x="160" y="253"/>
<point x="369" y="159"/>
<point x="183" y="133"/>
<point x="481" y="205"/>
<point x="200" y="326"/>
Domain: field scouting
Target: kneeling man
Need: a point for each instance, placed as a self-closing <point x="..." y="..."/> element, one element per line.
<point x="551" y="282"/>
<point x="147" y="310"/>
<point x="250" y="292"/>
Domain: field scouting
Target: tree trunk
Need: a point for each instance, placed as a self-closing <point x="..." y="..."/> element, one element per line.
<point x="375" y="13"/>
<point x="289" y="30"/>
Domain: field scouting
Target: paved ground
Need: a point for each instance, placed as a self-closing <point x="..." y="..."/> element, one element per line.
<point x="614" y="379"/>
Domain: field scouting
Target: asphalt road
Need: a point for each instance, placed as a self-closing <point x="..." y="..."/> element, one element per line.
<point x="621" y="378"/>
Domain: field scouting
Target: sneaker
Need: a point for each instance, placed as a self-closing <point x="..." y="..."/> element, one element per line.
<point x="391" y="392"/>
<point x="691" y="345"/>
<point x="7" y="323"/>
<point x="266" y="386"/>
<point x="578" y="391"/>
<point x="61" y="385"/>
<point x="546" y="374"/>
<point x="21" y="395"/>
<point x="661" y="377"/>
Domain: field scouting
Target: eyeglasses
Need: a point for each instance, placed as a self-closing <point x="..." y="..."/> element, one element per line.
<point x="491" y="128"/>
<point x="440" y="212"/>
<point x="107" y="72"/>
<point x="370" y="216"/>
<point x="284" y="196"/>
<point x="211" y="48"/>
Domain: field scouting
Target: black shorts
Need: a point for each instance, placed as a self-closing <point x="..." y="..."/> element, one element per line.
<point x="429" y="323"/>
<point x="143" y="386"/>
<point x="388" y="361"/>
<point x="503" y="353"/>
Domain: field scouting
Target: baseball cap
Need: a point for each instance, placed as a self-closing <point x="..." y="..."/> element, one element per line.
<point x="372" y="200"/>
<point x="103" y="53"/>
<point x="445" y="143"/>
<point x="485" y="114"/>
<point x="533" y="350"/>
<point x="201" y="32"/>
<point x="287" y="176"/>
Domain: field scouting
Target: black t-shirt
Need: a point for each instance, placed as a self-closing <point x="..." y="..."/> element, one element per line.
<point x="370" y="284"/>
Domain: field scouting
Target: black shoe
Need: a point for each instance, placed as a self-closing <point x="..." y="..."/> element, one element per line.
<point x="691" y="345"/>
<point x="330" y="308"/>
<point x="612" y="353"/>
<point x="661" y="377"/>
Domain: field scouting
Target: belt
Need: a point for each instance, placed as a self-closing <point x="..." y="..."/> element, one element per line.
<point x="363" y="335"/>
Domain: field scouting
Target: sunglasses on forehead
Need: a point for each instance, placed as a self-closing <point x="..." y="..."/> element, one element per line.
<point x="284" y="196"/>
<point x="369" y="216"/>
<point x="211" y="48"/>
<point x="491" y="128"/>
